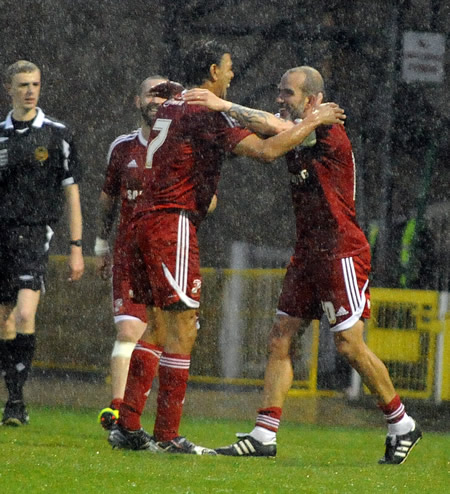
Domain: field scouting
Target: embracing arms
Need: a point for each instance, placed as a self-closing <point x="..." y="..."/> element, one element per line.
<point x="286" y="135"/>
<point x="278" y="145"/>
<point x="256" y="120"/>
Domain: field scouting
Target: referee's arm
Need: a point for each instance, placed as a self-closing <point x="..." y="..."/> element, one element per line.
<point x="76" y="262"/>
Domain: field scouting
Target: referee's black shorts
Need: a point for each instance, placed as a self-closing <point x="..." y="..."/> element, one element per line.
<point x="23" y="259"/>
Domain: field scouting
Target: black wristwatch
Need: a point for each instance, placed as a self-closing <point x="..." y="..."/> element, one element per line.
<point x="78" y="243"/>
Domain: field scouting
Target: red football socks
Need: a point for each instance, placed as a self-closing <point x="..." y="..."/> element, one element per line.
<point x="269" y="418"/>
<point x="115" y="404"/>
<point x="143" y="368"/>
<point x="394" y="411"/>
<point x="173" y="377"/>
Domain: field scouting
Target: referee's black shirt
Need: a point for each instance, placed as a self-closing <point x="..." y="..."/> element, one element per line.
<point x="36" y="162"/>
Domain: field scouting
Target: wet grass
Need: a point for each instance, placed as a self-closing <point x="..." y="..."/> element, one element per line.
<point x="65" y="451"/>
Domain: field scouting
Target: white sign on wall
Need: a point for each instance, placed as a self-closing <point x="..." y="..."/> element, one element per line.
<point x="423" y="57"/>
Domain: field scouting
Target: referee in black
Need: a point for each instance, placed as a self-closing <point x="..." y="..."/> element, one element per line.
<point x="38" y="161"/>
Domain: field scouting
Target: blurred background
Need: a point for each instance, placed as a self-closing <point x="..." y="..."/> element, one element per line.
<point x="385" y="62"/>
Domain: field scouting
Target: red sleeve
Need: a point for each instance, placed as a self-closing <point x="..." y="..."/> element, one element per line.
<point x="219" y="129"/>
<point x="230" y="134"/>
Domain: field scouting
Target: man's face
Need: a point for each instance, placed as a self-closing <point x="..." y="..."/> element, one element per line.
<point x="147" y="102"/>
<point x="224" y="75"/>
<point x="291" y="98"/>
<point x="24" y="90"/>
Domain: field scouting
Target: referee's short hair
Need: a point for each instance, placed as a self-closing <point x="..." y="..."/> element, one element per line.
<point x="19" y="67"/>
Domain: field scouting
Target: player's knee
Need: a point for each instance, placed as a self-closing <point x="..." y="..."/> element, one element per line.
<point x="349" y="348"/>
<point x="25" y="319"/>
<point x="350" y="343"/>
<point x="128" y="335"/>
<point x="344" y="349"/>
<point x="181" y="330"/>
<point x="129" y="330"/>
<point x="342" y="343"/>
<point x="281" y="335"/>
<point x="187" y="337"/>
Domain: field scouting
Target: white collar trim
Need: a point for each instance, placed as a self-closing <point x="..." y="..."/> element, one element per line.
<point x="38" y="119"/>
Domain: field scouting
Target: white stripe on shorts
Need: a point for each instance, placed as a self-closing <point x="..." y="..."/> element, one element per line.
<point x="182" y="262"/>
<point x="351" y="283"/>
<point x="356" y="299"/>
<point x="180" y="280"/>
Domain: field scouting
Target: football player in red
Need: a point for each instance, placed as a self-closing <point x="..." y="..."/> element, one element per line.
<point x="183" y="166"/>
<point x="122" y="186"/>
<point x="329" y="271"/>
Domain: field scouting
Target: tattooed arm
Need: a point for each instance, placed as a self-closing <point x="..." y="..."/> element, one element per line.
<point x="257" y="120"/>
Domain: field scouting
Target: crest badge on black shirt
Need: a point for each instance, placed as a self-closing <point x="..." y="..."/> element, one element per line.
<point x="41" y="153"/>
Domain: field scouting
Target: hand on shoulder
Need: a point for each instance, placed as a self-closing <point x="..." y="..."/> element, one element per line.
<point x="204" y="97"/>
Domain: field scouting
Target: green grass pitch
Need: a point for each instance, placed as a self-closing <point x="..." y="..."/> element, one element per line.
<point x="65" y="451"/>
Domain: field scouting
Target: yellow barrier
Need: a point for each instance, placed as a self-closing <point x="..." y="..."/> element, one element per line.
<point x="402" y="332"/>
<point x="76" y="332"/>
<point x="445" y="366"/>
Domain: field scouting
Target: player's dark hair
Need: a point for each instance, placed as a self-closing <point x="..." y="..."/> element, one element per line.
<point x="198" y="59"/>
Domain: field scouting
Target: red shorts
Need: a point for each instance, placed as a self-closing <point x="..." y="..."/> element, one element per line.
<point x="339" y="288"/>
<point x="164" y="262"/>
<point x="124" y="306"/>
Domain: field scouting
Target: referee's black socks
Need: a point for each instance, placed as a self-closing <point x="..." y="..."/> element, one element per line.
<point x="16" y="357"/>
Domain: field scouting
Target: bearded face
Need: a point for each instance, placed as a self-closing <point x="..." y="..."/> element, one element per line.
<point x="148" y="112"/>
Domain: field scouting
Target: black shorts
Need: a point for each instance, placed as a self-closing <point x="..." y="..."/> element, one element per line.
<point x="23" y="259"/>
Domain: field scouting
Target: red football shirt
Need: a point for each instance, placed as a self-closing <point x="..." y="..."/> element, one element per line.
<point x="184" y="158"/>
<point x="124" y="174"/>
<point x="323" y="195"/>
